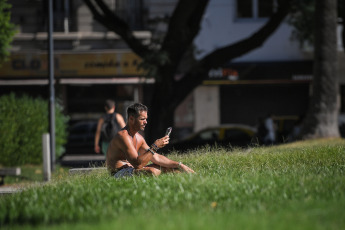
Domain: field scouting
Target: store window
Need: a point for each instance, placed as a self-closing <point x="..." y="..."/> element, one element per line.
<point x="255" y="9"/>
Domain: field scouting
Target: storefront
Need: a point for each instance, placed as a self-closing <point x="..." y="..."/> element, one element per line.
<point x="82" y="80"/>
<point x="252" y="90"/>
<point x="241" y="93"/>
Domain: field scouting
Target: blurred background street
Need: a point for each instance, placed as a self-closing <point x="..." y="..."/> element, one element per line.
<point x="226" y="100"/>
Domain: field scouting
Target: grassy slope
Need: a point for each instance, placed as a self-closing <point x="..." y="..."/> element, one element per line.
<point x="299" y="185"/>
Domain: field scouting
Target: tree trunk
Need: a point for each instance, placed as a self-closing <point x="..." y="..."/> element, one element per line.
<point x="161" y="111"/>
<point x="161" y="117"/>
<point x="321" y="120"/>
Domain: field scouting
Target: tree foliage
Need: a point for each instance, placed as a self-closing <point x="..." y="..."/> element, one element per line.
<point x="302" y="19"/>
<point x="7" y="30"/>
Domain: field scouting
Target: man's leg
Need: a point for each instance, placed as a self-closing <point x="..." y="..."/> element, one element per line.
<point x="163" y="169"/>
<point x="148" y="171"/>
<point x="151" y="170"/>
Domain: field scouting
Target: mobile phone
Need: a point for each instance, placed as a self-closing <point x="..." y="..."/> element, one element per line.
<point x="168" y="131"/>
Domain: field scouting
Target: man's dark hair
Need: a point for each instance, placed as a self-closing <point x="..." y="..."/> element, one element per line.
<point x="109" y="104"/>
<point x="135" y="109"/>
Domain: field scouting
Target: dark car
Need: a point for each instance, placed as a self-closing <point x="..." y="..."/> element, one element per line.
<point x="229" y="135"/>
<point x="81" y="138"/>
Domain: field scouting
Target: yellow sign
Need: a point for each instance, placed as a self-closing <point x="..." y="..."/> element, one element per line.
<point x="73" y="65"/>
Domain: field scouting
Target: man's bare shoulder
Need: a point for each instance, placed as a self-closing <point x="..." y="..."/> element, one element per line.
<point x="122" y="133"/>
<point x="121" y="136"/>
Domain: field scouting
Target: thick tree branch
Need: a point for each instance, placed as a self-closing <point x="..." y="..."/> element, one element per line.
<point x="184" y="25"/>
<point x="217" y="58"/>
<point x="111" y="21"/>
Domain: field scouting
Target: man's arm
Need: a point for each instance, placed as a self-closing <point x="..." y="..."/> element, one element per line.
<point x="157" y="158"/>
<point x="167" y="163"/>
<point x="138" y="161"/>
<point x="162" y="160"/>
<point x="120" y="120"/>
<point x="98" y="135"/>
<point x="159" y="143"/>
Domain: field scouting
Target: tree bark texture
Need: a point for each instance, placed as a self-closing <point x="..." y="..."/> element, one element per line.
<point x="321" y="120"/>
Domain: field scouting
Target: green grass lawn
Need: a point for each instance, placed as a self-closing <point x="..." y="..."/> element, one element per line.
<point x="293" y="186"/>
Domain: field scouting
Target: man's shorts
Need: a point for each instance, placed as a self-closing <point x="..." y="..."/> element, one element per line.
<point x="125" y="172"/>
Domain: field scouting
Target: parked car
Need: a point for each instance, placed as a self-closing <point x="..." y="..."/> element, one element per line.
<point x="227" y="135"/>
<point x="81" y="138"/>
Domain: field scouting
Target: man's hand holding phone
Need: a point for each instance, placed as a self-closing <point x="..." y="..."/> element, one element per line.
<point x="160" y="143"/>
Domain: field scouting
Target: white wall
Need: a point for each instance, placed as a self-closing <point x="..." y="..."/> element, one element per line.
<point x="206" y="107"/>
<point x="220" y="28"/>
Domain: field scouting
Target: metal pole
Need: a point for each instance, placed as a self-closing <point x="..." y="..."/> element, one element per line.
<point x="51" y="86"/>
<point x="46" y="157"/>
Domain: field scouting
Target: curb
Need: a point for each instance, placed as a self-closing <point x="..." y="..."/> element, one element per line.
<point x="8" y="190"/>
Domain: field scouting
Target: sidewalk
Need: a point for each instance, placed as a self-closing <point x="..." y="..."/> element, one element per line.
<point x="73" y="161"/>
<point x="77" y="161"/>
<point x="7" y="190"/>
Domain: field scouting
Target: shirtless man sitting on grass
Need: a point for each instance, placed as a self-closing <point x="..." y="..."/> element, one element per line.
<point x="128" y="153"/>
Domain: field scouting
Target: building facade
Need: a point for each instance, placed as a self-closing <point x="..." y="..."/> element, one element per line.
<point x="274" y="78"/>
<point x="92" y="64"/>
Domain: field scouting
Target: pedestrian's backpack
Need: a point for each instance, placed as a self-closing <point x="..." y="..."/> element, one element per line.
<point x="110" y="127"/>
